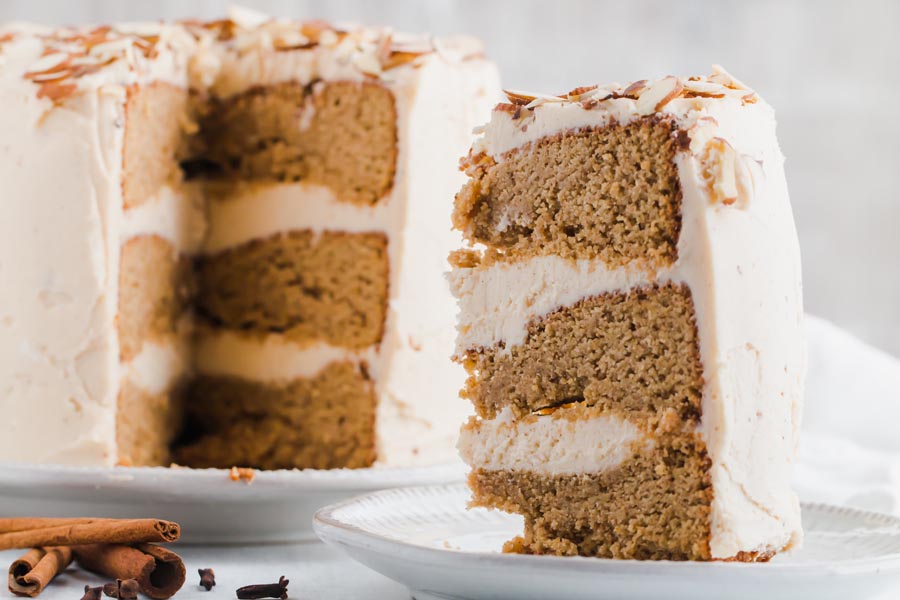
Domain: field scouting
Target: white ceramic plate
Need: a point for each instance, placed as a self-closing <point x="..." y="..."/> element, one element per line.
<point x="277" y="506"/>
<point x="426" y="539"/>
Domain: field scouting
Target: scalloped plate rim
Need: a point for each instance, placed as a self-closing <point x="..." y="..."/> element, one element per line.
<point x="330" y="528"/>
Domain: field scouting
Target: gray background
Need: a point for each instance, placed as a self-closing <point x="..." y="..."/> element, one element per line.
<point x="830" y="68"/>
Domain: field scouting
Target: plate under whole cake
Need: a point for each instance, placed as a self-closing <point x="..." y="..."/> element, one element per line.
<point x="211" y="505"/>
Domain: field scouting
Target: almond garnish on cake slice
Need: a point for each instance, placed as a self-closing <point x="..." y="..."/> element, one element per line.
<point x="660" y="93"/>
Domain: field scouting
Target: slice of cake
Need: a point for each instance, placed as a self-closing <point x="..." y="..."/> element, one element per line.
<point x="225" y="241"/>
<point x="632" y="323"/>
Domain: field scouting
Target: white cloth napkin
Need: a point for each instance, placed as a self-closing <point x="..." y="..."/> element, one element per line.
<point x="850" y="438"/>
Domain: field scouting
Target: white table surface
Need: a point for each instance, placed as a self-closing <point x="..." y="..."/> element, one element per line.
<point x="316" y="572"/>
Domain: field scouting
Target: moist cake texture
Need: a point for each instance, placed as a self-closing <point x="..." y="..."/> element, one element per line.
<point x="631" y="322"/>
<point x="231" y="238"/>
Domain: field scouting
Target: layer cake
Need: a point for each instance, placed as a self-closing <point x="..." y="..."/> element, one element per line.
<point x="631" y="321"/>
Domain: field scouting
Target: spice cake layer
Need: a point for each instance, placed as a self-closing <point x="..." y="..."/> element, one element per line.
<point x="631" y="321"/>
<point x="325" y="421"/>
<point x="610" y="192"/>
<point x="331" y="287"/>
<point x="340" y="134"/>
<point x="594" y="484"/>
<point x="251" y="183"/>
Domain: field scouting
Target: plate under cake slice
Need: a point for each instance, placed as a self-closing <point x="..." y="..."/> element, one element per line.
<point x="631" y="320"/>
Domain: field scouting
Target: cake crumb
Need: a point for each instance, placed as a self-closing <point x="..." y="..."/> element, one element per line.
<point x="242" y="474"/>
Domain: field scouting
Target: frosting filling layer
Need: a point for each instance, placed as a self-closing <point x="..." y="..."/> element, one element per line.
<point x="248" y="212"/>
<point x="174" y="214"/>
<point x="158" y="365"/>
<point x="554" y="444"/>
<point x="497" y="302"/>
<point x="267" y="358"/>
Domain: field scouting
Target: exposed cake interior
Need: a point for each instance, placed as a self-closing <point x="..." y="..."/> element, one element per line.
<point x="321" y="292"/>
<point x="161" y="212"/>
<point x="322" y="422"/>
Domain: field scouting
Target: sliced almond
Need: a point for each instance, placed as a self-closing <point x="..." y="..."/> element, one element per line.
<point x="49" y="76"/>
<point x="719" y="161"/>
<point x="246" y="18"/>
<point x="329" y="38"/>
<point x="576" y="94"/>
<point x="603" y="92"/>
<point x="314" y="29"/>
<point x="142" y="29"/>
<point x="108" y="48"/>
<point x="397" y="59"/>
<point x="291" y="40"/>
<point x="56" y="91"/>
<point x="383" y="48"/>
<point x="519" y="98"/>
<point x="701" y="132"/>
<point x="658" y="95"/>
<point x="48" y="64"/>
<point x="703" y="89"/>
<point x="635" y="89"/>
<point x="723" y="77"/>
<point x="367" y="63"/>
<point x="543" y="99"/>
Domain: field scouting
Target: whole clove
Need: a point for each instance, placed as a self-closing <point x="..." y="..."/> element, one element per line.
<point x="160" y="573"/>
<point x="123" y="589"/>
<point x="92" y="593"/>
<point x="207" y="578"/>
<point x="264" y="590"/>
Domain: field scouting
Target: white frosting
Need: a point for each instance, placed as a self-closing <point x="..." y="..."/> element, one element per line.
<point x="253" y="212"/>
<point x="742" y="264"/>
<point x="59" y="247"/>
<point x="549" y="444"/>
<point x="271" y="358"/>
<point x="419" y="410"/>
<point x="176" y="216"/>
<point x="61" y="168"/>
<point x="157" y="366"/>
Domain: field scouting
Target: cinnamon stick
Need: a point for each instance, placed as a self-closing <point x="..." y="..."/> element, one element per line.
<point x="25" y="523"/>
<point x="159" y="572"/>
<point x="28" y="533"/>
<point x="30" y="574"/>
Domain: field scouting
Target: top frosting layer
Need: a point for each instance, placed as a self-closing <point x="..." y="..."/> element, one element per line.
<point x="528" y="117"/>
<point x="222" y="56"/>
